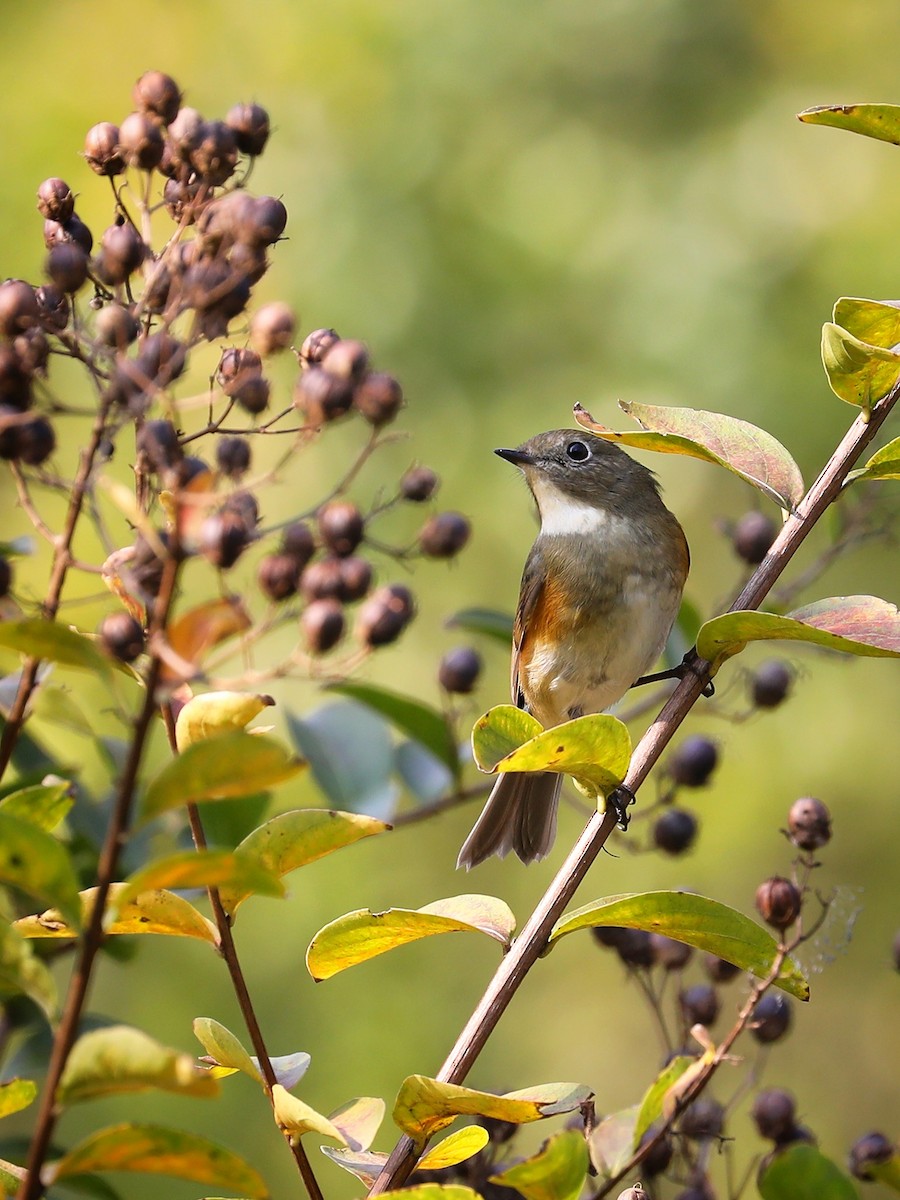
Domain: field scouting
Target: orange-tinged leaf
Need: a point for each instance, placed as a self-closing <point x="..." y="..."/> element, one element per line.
<point x="194" y="633"/>
<point x="424" y="1106"/>
<point x="234" y="764"/>
<point x="151" y="912"/>
<point x="358" y="1121"/>
<point x="157" y="1150"/>
<point x="119" y="1058"/>
<point x="740" y="447"/>
<point x="361" y="935"/>
<point x="293" y="839"/>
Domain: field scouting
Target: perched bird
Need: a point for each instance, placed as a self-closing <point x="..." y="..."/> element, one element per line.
<point x="600" y="592"/>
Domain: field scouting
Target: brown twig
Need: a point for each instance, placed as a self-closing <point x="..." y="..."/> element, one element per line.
<point x="531" y="942"/>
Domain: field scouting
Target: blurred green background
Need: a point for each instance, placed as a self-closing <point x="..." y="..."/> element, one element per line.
<point x="517" y="206"/>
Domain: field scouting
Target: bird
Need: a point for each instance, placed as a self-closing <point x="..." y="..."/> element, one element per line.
<point x="600" y="592"/>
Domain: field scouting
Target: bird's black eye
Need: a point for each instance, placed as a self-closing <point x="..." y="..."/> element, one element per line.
<point x="577" y="451"/>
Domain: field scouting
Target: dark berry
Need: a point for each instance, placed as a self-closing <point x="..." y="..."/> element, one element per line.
<point x="668" y="953"/>
<point x="141" y="141"/>
<point x="122" y="250"/>
<point x="158" y="94"/>
<point x="675" y="831"/>
<point x="634" y="948"/>
<point x="384" y="616"/>
<point x="321" y="580"/>
<point x="158" y="442"/>
<point x="655" y="1161"/>
<point x="31" y="442"/>
<point x="215" y="156"/>
<point x="459" y="670"/>
<point x="55" y="200"/>
<point x="871" y="1150"/>
<point x="809" y="823"/>
<point x="268" y="218"/>
<point x="771" y="1018"/>
<point x="15" y="379"/>
<point x="101" y="149"/>
<point x="32" y="348"/>
<point x="608" y="935"/>
<point x="444" y="535"/>
<point x="774" y="1113"/>
<point x="18" y="307"/>
<point x="771" y="683"/>
<point x="6" y="576"/>
<point x="699" y="1004"/>
<point x="272" y="328"/>
<point x="250" y="124"/>
<point x="418" y="484"/>
<point x="322" y="623"/>
<point x="693" y="761"/>
<point x="753" y="535"/>
<point x="234" y="363"/>
<point x="720" y="970"/>
<point x="298" y="541"/>
<point x="341" y="526"/>
<point x="317" y="344"/>
<point x="704" y="1118"/>
<point x="322" y="397"/>
<point x="223" y="539"/>
<point x="778" y="902"/>
<point x="356" y="578"/>
<point x="116" y="326"/>
<point x="233" y="456"/>
<point x="243" y="505"/>
<point x="251" y="392"/>
<point x="378" y="398"/>
<point x="499" y="1132"/>
<point x="279" y="576"/>
<point x="67" y="266"/>
<point x="122" y="636"/>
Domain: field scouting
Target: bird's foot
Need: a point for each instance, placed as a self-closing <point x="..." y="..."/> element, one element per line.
<point x="689" y="665"/>
<point x="619" y="800"/>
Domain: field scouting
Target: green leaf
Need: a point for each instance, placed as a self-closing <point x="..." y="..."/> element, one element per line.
<point x="802" y="1172"/>
<point x="556" y="1172"/>
<point x="863" y="625"/>
<point x="751" y="453"/>
<point x="202" y="869"/>
<point x="696" y="920"/>
<point x="294" y="839"/>
<point x="497" y="625"/>
<point x="425" y="776"/>
<point x="233" y="764"/>
<point x="651" y="1107"/>
<point x="358" y="936"/>
<point x="596" y="749"/>
<point x="43" y="804"/>
<point x="874" y="321"/>
<point x="435" y="1191"/>
<point x="419" y="721"/>
<point x="49" y="641"/>
<point x="351" y="756"/>
<point x="106" y="1062"/>
<point x="222" y="1045"/>
<point x="424" y="1106"/>
<point x="881" y="121"/>
<point x="884" y="464"/>
<point x="15" y="1095"/>
<point x="22" y="971"/>
<point x="857" y="372"/>
<point x="11" y="1177"/>
<point x="152" y="912"/>
<point x="156" y="1150"/>
<point x="35" y="862"/>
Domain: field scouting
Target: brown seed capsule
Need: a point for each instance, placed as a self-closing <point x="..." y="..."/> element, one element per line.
<point x="321" y="397"/>
<point x="244" y="505"/>
<point x="248" y="263"/>
<point x="250" y="123"/>
<point x="444" y="535"/>
<point x="215" y="155"/>
<point x="116" y="326"/>
<point x="55" y="200"/>
<point x="122" y="250"/>
<point x="669" y="954"/>
<point x="223" y="539"/>
<point x="459" y="670"/>
<point x="18" y="307"/>
<point x="378" y="397"/>
<point x="158" y="444"/>
<point x="719" y="970"/>
<point x="181" y="198"/>
<point x="185" y="133"/>
<point x="267" y="221"/>
<point x="158" y="94"/>
<point x="15" y="380"/>
<point x="33" y="348"/>
<point x="6" y="576"/>
<point x="872" y="1150"/>
<point x="321" y="580"/>
<point x="771" y="683"/>
<point x="101" y="149"/>
<point x="385" y="615"/>
<point x="122" y="636"/>
<point x="753" y="535"/>
<point x="418" y="484"/>
<point x="778" y="902"/>
<point x="346" y="359"/>
<point x="675" y="831"/>
<point x="272" y="328"/>
<point x="322" y="623"/>
<point x="341" y="526"/>
<point x="298" y="541"/>
<point x="55" y="310"/>
<point x="251" y="391"/>
<point x="356" y="578"/>
<point x="705" y="1118"/>
<point x="33" y="441"/>
<point x="233" y="456"/>
<point x="775" y="1114"/>
<point x="771" y="1018"/>
<point x="317" y="344"/>
<point x="699" y="1004"/>
<point x="279" y="576"/>
<point x="234" y="362"/>
<point x="809" y="824"/>
<point x="67" y="266"/>
<point x="141" y="141"/>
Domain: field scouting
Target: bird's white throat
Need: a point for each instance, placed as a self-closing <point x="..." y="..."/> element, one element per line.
<point x="562" y="514"/>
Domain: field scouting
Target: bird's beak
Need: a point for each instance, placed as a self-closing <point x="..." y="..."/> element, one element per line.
<point x="517" y="457"/>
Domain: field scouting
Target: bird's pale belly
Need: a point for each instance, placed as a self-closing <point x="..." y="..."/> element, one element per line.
<point x="595" y="665"/>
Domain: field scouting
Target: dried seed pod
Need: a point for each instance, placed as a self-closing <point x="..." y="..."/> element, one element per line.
<point x="356" y="578"/>
<point x="771" y="1018"/>
<point x="30" y="442"/>
<point x="321" y="580"/>
<point x="157" y="94"/>
<point x="233" y="456"/>
<point x="116" y="326"/>
<point x="444" y="535"/>
<point x="236" y="361"/>
<point x="774" y="1114"/>
<point x="140" y="141"/>
<point x="385" y="615"/>
<point x="322" y="397"/>
<point x="753" y="535"/>
<point x="223" y="538"/>
<point x="778" y="902"/>
<point x="18" y="307"/>
<point x="770" y="683"/>
<point x="459" y="670"/>
<point x="341" y="526"/>
<point x="251" y="391"/>
<point x="158" y="444"/>
<point x="704" y="1118"/>
<point x="693" y="761"/>
<point x="122" y="636"/>
<point x="122" y="250"/>
<point x="379" y="398"/>
<point x="101" y="149"/>
<point x="699" y="1004"/>
<point x="55" y="200"/>
<point x="346" y="359"/>
<point x="15" y="380"/>
<point x="250" y="124"/>
<point x="675" y="831"/>
<point x="668" y="953"/>
<point x="272" y="328"/>
<point x="317" y="344"/>
<point x="720" y="970"/>
<point x="298" y="541"/>
<point x="809" y="824"/>
<point x="634" y="948"/>
<point x="322" y="623"/>
<point x="419" y="484"/>
<point x="214" y="158"/>
<point x="872" y="1150"/>
<point x="266" y="223"/>
<point x="279" y="576"/>
<point x="33" y="348"/>
<point x="67" y="265"/>
<point x="185" y="133"/>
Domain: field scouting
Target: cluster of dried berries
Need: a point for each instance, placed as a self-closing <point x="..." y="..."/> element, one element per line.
<point x="145" y="311"/>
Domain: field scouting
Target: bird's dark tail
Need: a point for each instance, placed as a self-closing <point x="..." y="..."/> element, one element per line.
<point x="520" y="815"/>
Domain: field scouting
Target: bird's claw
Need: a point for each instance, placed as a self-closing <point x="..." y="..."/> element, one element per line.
<point x="619" y="801"/>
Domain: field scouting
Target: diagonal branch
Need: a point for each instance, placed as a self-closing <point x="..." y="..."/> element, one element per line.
<point x="531" y="942"/>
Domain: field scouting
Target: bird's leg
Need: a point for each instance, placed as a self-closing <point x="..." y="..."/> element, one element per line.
<point x="619" y="800"/>
<point x="687" y="666"/>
